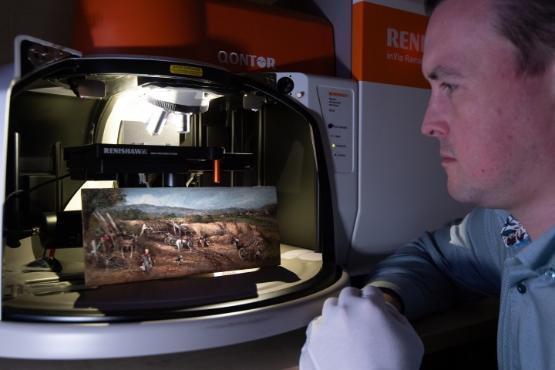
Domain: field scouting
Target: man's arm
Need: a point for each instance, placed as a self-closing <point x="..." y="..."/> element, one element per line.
<point x="440" y="268"/>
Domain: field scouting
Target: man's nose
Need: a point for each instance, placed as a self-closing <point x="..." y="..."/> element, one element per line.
<point x="434" y="124"/>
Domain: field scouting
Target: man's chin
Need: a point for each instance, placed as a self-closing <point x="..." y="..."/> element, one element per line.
<point x="462" y="194"/>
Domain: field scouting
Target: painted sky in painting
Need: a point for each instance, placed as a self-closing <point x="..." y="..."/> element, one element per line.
<point x="203" y="198"/>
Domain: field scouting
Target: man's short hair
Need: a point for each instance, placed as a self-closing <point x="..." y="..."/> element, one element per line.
<point x="529" y="25"/>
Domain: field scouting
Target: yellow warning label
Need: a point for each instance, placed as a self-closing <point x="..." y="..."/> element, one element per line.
<point x="186" y="70"/>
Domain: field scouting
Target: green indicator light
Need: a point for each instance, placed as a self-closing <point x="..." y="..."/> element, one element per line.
<point x="333" y="145"/>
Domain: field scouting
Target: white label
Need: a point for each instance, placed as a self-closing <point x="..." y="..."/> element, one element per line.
<point x="338" y="112"/>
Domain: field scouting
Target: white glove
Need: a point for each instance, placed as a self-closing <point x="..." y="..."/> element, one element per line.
<point x="359" y="330"/>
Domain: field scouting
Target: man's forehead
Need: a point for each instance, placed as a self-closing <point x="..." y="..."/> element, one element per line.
<point x="460" y="18"/>
<point x="455" y="32"/>
<point x="475" y="8"/>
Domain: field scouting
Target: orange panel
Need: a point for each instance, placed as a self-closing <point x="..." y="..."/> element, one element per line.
<point x="388" y="45"/>
<point x="239" y="36"/>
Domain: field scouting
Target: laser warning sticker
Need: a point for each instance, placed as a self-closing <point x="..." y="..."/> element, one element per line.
<point x="178" y="69"/>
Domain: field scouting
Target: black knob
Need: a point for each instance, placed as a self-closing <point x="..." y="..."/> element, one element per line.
<point x="285" y="85"/>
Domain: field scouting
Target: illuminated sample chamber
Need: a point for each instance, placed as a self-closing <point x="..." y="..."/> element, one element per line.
<point x="227" y="130"/>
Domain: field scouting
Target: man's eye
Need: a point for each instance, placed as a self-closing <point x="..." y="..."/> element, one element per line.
<point x="449" y="88"/>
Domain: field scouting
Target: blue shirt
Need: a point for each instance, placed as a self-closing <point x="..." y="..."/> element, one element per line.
<point x="470" y="257"/>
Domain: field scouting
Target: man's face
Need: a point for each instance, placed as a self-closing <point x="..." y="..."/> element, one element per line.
<point x="495" y="125"/>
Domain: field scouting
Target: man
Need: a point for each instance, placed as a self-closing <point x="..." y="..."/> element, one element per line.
<point x="491" y="67"/>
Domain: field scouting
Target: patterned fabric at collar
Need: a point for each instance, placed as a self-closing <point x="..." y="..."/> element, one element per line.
<point x="514" y="235"/>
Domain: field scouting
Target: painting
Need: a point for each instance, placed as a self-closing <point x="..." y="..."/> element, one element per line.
<point x="136" y="234"/>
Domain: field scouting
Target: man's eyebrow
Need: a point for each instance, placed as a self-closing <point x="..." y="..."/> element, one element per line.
<point x="443" y="71"/>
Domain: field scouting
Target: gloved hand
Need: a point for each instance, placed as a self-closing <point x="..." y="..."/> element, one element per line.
<point x="359" y="330"/>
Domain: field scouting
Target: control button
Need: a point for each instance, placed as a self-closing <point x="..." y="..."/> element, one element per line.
<point x="300" y="94"/>
<point x="521" y="288"/>
<point x="285" y="85"/>
<point x="330" y="125"/>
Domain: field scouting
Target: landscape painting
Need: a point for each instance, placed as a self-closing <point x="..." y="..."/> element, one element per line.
<point x="134" y="234"/>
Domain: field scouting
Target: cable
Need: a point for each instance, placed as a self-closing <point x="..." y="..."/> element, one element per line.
<point x="17" y="193"/>
<point x="21" y="191"/>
